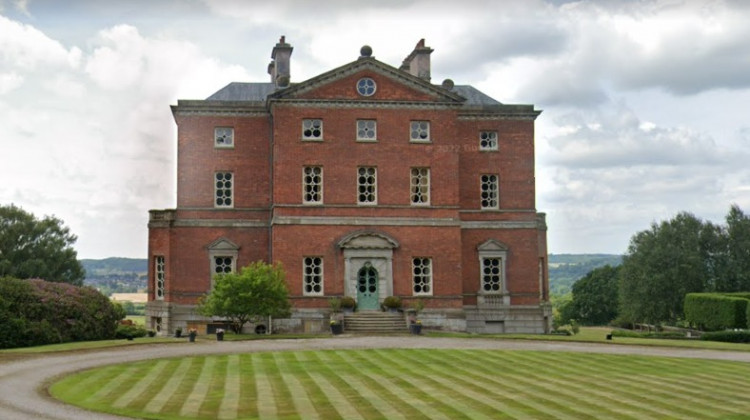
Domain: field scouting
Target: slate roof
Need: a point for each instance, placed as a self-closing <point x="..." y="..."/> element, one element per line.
<point x="257" y="92"/>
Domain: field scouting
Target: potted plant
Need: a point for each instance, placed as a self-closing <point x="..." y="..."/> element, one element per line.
<point x="336" y="327"/>
<point x="335" y="304"/>
<point x="151" y="333"/>
<point x="416" y="327"/>
<point x="192" y="333"/>
<point x="392" y="303"/>
<point x="178" y="332"/>
<point x="348" y="304"/>
<point x="220" y="334"/>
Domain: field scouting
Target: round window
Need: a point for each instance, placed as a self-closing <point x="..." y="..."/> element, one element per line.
<point x="366" y="86"/>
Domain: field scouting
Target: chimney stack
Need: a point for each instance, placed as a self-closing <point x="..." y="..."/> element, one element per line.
<point x="418" y="62"/>
<point x="279" y="68"/>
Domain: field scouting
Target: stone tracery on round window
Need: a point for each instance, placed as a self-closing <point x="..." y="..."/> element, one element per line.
<point x="366" y="86"/>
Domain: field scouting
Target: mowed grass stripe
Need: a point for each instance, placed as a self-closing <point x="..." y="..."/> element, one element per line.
<point x="382" y="407"/>
<point x="517" y="401"/>
<point x="337" y="396"/>
<point x="192" y="404"/>
<point x="302" y="402"/>
<point x="681" y="383"/>
<point x="323" y="406"/>
<point x="387" y="394"/>
<point x="523" y="392"/>
<point x="424" y="387"/>
<point x="358" y="397"/>
<point x="230" y="400"/>
<point x="546" y="386"/>
<point x="608" y="396"/>
<point x="248" y="406"/>
<point x="111" y="387"/>
<point x="141" y="385"/>
<point x="92" y="379"/>
<point x="481" y="399"/>
<point x="667" y="405"/>
<point x="424" y="404"/>
<point x="171" y="383"/>
<point x="264" y="397"/>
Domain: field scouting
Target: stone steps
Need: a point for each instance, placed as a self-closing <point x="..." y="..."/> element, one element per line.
<point x="375" y="322"/>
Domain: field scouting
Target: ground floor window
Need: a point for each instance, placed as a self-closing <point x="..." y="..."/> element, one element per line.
<point x="159" y="277"/>
<point x="156" y="324"/>
<point x="312" y="276"/>
<point x="491" y="275"/>
<point x="422" y="276"/>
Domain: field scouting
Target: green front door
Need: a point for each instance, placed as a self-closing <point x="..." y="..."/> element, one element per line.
<point x="367" y="289"/>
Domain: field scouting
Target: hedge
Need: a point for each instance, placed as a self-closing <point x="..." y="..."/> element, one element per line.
<point x="727" y="336"/>
<point x="714" y="311"/>
<point x="40" y="312"/>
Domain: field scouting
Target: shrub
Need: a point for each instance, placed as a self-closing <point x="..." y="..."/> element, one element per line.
<point x="130" y="331"/>
<point x="40" y="312"/>
<point x="714" y="311"/>
<point x="727" y="336"/>
<point x="348" y="302"/>
<point x="335" y="304"/>
<point x="392" y="302"/>
<point x="672" y="335"/>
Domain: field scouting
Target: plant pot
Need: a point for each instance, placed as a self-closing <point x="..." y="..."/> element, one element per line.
<point x="415" y="328"/>
<point x="219" y="336"/>
<point x="337" y="329"/>
<point x="178" y="333"/>
<point x="191" y="337"/>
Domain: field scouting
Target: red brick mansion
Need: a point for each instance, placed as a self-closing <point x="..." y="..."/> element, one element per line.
<point x="367" y="181"/>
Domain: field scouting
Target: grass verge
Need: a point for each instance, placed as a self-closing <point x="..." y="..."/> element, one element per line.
<point x="410" y="383"/>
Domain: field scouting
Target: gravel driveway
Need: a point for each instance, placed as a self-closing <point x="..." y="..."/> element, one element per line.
<point x="23" y="381"/>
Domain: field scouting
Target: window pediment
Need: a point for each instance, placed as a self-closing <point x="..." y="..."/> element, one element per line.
<point x="367" y="240"/>
<point x="492" y="246"/>
<point x="223" y="244"/>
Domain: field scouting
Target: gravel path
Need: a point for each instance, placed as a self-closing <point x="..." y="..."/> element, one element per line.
<point x="23" y="381"/>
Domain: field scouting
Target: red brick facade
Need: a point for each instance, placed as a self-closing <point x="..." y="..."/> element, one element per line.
<point x="269" y="220"/>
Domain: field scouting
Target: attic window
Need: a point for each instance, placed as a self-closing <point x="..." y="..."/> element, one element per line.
<point x="366" y="86"/>
<point x="312" y="129"/>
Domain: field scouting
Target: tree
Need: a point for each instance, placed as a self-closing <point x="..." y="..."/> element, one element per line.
<point x="738" y="250"/>
<point x="594" y="297"/>
<point x="33" y="248"/>
<point x="258" y="290"/>
<point x="662" y="265"/>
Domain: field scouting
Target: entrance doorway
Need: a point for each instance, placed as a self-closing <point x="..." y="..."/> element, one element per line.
<point x="367" y="288"/>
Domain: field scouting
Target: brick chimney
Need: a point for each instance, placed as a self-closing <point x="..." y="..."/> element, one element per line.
<point x="418" y="62"/>
<point x="279" y="68"/>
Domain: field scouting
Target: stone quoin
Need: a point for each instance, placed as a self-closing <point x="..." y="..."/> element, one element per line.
<point x="367" y="181"/>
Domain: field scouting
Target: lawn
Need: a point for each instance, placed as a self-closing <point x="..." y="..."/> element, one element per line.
<point x="413" y="384"/>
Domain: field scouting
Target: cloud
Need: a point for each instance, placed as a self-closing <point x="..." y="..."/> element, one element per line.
<point x="26" y="48"/>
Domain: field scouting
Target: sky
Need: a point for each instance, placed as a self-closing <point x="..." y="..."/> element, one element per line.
<point x="646" y="104"/>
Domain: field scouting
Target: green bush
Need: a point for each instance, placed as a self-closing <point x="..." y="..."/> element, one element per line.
<point x="130" y="331"/>
<point x="727" y="336"/>
<point x="40" y="312"/>
<point x="392" y="302"/>
<point x="348" y="302"/>
<point x="714" y="311"/>
<point x="672" y="335"/>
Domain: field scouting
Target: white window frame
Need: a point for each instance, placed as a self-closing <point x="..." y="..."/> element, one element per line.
<point x="232" y="181"/>
<point x="374" y="130"/>
<point x="220" y="133"/>
<point x="222" y="248"/>
<point x="412" y="185"/>
<point x="425" y="279"/>
<point x="309" y="275"/>
<point x="159" y="276"/>
<point x="306" y="184"/>
<point x="493" y="249"/>
<point x="492" y="182"/>
<point x="488" y="137"/>
<point x="374" y="186"/>
<point x="308" y="124"/>
<point x="419" y="129"/>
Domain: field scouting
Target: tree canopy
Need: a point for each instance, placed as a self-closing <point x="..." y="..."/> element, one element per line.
<point x="680" y="256"/>
<point x="34" y="248"/>
<point x="258" y="290"/>
<point x="594" y="298"/>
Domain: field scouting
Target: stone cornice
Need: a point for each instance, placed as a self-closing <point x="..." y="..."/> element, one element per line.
<point x="351" y="104"/>
<point x="219" y="108"/>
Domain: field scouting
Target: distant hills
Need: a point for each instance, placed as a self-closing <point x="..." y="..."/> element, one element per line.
<point x="565" y="269"/>
<point x="129" y="275"/>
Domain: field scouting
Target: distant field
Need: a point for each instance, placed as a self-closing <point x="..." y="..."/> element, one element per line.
<point x="413" y="384"/>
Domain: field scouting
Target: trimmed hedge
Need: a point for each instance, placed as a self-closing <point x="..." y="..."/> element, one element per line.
<point x="714" y="311"/>
<point x="40" y="312"/>
<point x="727" y="336"/>
<point x="672" y="335"/>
